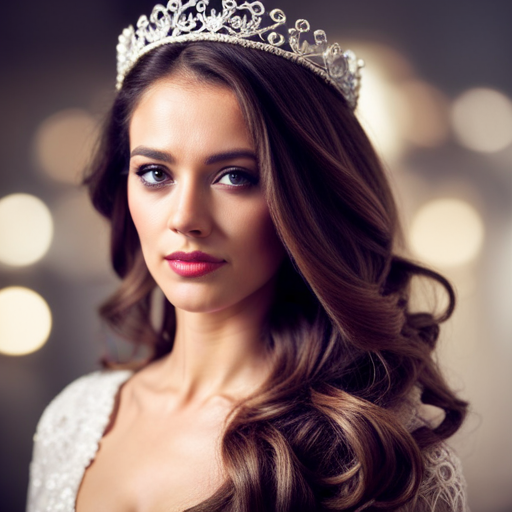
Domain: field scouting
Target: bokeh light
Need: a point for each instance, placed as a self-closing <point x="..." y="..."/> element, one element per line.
<point x="482" y="120"/>
<point x="63" y="144"/>
<point x="447" y="232"/>
<point x="381" y="108"/>
<point x="397" y="109"/>
<point x="25" y="321"/>
<point x="26" y="229"/>
<point x="427" y="119"/>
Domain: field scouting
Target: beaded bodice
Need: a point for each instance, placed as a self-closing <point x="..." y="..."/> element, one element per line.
<point x="71" y="428"/>
<point x="67" y="439"/>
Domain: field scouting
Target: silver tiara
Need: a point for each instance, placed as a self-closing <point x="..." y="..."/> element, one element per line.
<point x="246" y="25"/>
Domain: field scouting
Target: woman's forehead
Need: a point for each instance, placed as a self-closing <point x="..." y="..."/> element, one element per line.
<point x="182" y="113"/>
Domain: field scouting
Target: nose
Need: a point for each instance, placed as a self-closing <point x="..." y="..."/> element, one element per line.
<point x="190" y="215"/>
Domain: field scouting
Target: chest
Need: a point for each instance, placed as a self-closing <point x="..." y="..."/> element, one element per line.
<point x="155" y="462"/>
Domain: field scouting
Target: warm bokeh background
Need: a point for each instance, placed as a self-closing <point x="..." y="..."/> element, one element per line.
<point x="436" y="98"/>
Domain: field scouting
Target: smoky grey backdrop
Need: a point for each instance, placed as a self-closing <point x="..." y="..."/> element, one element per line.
<point x="436" y="100"/>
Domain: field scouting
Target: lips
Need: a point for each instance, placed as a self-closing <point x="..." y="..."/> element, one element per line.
<point x="193" y="264"/>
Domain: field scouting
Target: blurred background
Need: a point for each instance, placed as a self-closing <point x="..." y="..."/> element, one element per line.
<point x="437" y="101"/>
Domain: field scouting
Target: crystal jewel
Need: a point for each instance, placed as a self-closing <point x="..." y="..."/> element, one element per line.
<point x="244" y="23"/>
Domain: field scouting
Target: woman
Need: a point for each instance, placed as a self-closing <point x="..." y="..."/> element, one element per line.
<point x="286" y="370"/>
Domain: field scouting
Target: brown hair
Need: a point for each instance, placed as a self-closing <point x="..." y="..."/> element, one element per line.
<point x="323" y="433"/>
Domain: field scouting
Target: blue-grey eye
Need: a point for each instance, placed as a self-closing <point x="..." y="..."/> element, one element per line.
<point x="152" y="176"/>
<point x="237" y="179"/>
<point x="155" y="176"/>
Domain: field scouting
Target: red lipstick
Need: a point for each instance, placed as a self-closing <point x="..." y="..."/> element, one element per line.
<point x="193" y="264"/>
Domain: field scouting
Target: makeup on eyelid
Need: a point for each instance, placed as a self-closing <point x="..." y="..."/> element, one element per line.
<point x="231" y="173"/>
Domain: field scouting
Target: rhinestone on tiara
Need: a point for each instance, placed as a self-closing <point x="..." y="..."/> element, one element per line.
<point x="245" y="24"/>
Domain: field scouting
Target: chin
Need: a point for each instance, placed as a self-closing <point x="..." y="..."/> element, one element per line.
<point x="206" y="299"/>
<point x="196" y="301"/>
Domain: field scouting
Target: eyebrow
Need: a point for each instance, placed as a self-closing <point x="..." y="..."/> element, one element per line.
<point x="231" y="155"/>
<point x="152" y="153"/>
<point x="167" y="157"/>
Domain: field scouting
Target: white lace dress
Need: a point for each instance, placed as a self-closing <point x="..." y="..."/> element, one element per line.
<point x="69" y="433"/>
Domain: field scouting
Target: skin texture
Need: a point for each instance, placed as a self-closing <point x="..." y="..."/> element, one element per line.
<point x="161" y="451"/>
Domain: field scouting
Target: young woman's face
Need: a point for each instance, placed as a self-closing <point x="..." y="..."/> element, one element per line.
<point x="195" y="199"/>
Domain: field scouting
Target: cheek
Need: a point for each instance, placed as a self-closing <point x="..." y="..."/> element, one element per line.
<point x="258" y="240"/>
<point x="145" y="215"/>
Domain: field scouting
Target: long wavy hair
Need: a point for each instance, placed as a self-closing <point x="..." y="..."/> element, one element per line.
<point x="324" y="432"/>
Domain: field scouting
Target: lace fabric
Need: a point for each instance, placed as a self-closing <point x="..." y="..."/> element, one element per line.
<point x="67" y="439"/>
<point x="443" y="488"/>
<point x="70" y="430"/>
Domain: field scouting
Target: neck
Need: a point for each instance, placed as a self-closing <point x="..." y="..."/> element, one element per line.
<point x="220" y="353"/>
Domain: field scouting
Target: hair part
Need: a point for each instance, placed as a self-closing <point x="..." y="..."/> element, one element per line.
<point x="323" y="433"/>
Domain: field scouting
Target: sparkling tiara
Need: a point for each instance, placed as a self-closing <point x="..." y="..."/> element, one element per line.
<point x="245" y="24"/>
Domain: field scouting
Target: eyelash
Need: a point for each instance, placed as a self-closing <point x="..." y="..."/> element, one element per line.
<point x="250" y="179"/>
<point x="145" y="169"/>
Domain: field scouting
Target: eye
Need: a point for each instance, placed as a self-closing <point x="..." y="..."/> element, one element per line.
<point x="153" y="176"/>
<point x="237" y="178"/>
